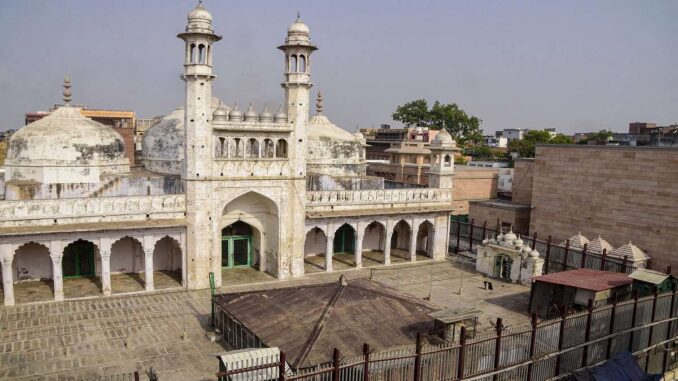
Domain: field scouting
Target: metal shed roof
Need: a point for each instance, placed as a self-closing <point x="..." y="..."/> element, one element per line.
<point x="587" y="279"/>
<point x="648" y="276"/>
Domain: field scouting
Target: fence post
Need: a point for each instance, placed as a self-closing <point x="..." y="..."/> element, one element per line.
<point x="534" y="240"/>
<point x="499" y="227"/>
<point x="366" y="357"/>
<point x="670" y="327"/>
<point x="561" y="336"/>
<point x="335" y="364"/>
<point x="484" y="229"/>
<point x="625" y="263"/>
<point x="587" y="334"/>
<point x="462" y="355"/>
<point x="533" y="344"/>
<point x="470" y="235"/>
<point x="417" y="359"/>
<point x="611" y="331"/>
<point x="583" y="256"/>
<point x="497" y="347"/>
<point x="281" y="367"/>
<point x="602" y="260"/>
<point x="634" y="315"/>
<point x="548" y="254"/>
<point x="136" y="375"/>
<point x="668" y="270"/>
<point x="654" y="315"/>
<point x="456" y="251"/>
<point x="649" y="264"/>
<point x="567" y="249"/>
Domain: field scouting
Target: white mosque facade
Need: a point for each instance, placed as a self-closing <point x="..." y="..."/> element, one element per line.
<point x="219" y="189"/>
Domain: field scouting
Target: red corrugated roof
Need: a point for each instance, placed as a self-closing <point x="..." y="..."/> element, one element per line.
<point x="587" y="279"/>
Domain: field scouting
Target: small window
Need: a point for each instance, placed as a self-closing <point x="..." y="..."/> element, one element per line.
<point x="201" y="54"/>
<point x="302" y="63"/>
<point x="293" y="63"/>
<point x="193" y="54"/>
<point x="281" y="148"/>
<point x="448" y="160"/>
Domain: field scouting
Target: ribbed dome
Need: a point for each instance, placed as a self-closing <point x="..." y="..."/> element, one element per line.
<point x="280" y="115"/>
<point x="199" y="13"/>
<point x="298" y="33"/>
<point x="235" y="115"/>
<point x="163" y="144"/>
<point x="265" y="116"/>
<point x="251" y="115"/>
<point x="443" y="137"/>
<point x="65" y="139"/>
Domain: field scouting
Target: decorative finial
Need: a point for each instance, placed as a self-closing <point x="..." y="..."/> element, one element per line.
<point x="319" y="104"/>
<point x="67" y="91"/>
<point x="298" y="16"/>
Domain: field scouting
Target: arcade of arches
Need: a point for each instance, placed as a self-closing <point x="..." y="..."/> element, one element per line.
<point x="364" y="243"/>
<point x="38" y="270"/>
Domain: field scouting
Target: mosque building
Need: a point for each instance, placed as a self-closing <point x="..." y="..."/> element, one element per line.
<point x="219" y="189"/>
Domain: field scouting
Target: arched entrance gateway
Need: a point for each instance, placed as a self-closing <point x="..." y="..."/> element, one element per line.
<point x="248" y="235"/>
<point x="79" y="260"/>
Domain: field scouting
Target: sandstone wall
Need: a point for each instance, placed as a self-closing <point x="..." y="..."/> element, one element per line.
<point x="522" y="181"/>
<point x="621" y="193"/>
<point x="472" y="184"/>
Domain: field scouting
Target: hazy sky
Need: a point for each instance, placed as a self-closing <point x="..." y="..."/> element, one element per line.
<point x="572" y="65"/>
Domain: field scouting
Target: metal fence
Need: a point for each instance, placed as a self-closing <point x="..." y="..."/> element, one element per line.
<point x="646" y="326"/>
<point x="464" y="237"/>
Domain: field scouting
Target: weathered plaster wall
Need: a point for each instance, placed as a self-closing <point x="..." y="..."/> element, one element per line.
<point x="127" y="256"/>
<point x="374" y="236"/>
<point x="317" y="182"/>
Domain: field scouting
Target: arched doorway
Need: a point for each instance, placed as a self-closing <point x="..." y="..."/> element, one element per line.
<point x="344" y="240"/>
<point x="127" y="265"/>
<point x="315" y="246"/>
<point x="236" y="245"/>
<point x="167" y="263"/>
<point x="425" y="239"/>
<point x="33" y="274"/>
<point x="502" y="267"/>
<point x="78" y="260"/>
<point x="374" y="244"/>
<point x="248" y="236"/>
<point x="400" y="240"/>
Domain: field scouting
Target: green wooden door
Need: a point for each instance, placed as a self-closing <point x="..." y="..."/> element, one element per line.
<point x="344" y="240"/>
<point x="78" y="260"/>
<point x="236" y="251"/>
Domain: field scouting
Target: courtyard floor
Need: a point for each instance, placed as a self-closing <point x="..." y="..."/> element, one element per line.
<point x="86" y="287"/>
<point x="166" y="330"/>
<point x="316" y="263"/>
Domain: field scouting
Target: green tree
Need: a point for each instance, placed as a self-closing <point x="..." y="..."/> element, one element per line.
<point x="483" y="151"/>
<point x="463" y="127"/>
<point x="3" y="151"/>
<point x="526" y="146"/>
<point x="601" y="137"/>
<point x="561" y="139"/>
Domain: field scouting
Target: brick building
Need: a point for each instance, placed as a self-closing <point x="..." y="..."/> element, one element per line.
<point x="620" y="193"/>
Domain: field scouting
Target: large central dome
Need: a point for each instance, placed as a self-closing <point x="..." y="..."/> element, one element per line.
<point x="65" y="147"/>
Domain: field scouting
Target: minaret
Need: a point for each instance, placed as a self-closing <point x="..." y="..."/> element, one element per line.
<point x="441" y="169"/>
<point x="297" y="85"/>
<point x="199" y="38"/>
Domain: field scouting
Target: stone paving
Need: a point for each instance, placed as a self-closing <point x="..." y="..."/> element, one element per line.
<point x="43" y="291"/>
<point x="167" y="329"/>
<point x="316" y="263"/>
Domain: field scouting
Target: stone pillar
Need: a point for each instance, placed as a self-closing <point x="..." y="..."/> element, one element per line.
<point x="387" y="247"/>
<point x="262" y="252"/>
<point x="58" y="276"/>
<point x="413" y="243"/>
<point x="56" y="249"/>
<point x="329" y="251"/>
<point x="148" y="267"/>
<point x="359" y="251"/>
<point x="6" y="258"/>
<point x="105" y="272"/>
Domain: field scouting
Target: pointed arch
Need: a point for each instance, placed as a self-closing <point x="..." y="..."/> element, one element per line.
<point x="374" y="236"/>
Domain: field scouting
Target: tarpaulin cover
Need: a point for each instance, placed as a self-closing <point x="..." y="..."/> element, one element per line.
<point x="621" y="367"/>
